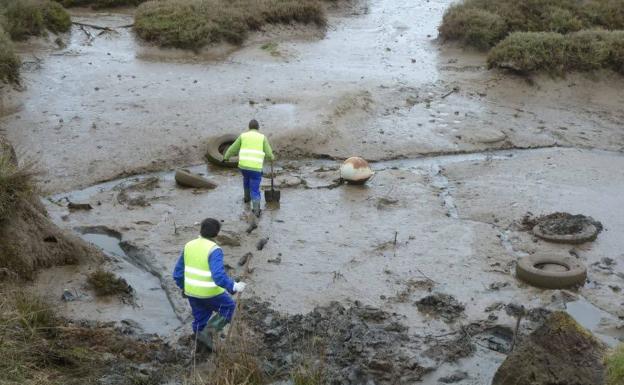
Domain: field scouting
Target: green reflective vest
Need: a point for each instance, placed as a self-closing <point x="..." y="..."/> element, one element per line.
<point x="198" y="281"/>
<point x="251" y="153"/>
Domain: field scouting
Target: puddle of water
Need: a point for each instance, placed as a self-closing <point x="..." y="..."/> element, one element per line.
<point x="107" y="243"/>
<point x="593" y="319"/>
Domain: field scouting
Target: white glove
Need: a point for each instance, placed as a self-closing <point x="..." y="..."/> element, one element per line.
<point x="239" y="287"/>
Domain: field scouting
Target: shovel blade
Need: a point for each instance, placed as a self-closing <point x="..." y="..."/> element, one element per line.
<point x="272" y="195"/>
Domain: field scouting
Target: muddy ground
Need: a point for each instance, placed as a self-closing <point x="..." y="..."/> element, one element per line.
<point x="456" y="173"/>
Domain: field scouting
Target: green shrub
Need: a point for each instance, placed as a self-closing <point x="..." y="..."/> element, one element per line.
<point x="193" y="24"/>
<point x="26" y="18"/>
<point x="556" y="53"/>
<point x="475" y="27"/>
<point x="615" y="366"/>
<point x="562" y="16"/>
<point x="9" y="70"/>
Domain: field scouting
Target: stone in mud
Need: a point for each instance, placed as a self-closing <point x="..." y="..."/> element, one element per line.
<point x="558" y="352"/>
<point x="441" y="305"/>
<point x="228" y="238"/>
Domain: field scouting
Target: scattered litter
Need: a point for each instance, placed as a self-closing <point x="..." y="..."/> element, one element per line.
<point x="261" y="243"/>
<point x="243" y="260"/>
<point x="442" y="305"/>
<point x="79" y="206"/>
<point x="68" y="296"/>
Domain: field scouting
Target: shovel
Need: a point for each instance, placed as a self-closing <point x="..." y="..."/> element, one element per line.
<point x="272" y="195"/>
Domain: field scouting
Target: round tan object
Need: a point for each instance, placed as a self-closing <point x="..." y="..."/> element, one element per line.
<point x="355" y="170"/>
<point x="551" y="271"/>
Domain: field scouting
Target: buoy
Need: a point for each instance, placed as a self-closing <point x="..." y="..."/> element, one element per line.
<point x="355" y="170"/>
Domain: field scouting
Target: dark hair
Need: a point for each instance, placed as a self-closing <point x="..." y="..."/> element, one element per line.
<point x="210" y="228"/>
<point x="253" y="124"/>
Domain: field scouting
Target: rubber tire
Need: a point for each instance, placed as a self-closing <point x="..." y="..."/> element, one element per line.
<point x="575" y="275"/>
<point x="186" y="179"/>
<point x="214" y="156"/>
<point x="589" y="233"/>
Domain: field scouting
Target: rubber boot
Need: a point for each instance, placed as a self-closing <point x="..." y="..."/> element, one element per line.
<point x="256" y="208"/>
<point x="211" y="331"/>
<point x="247" y="197"/>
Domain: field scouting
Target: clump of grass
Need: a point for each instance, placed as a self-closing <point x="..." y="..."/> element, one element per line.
<point x="615" y="366"/>
<point x="467" y="22"/>
<point x="100" y="3"/>
<point x="106" y="283"/>
<point x="26" y="18"/>
<point x="192" y="24"/>
<point x="9" y="62"/>
<point x="16" y="182"/>
<point x="557" y="54"/>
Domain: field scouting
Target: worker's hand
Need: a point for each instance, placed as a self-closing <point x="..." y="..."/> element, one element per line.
<point x="239" y="287"/>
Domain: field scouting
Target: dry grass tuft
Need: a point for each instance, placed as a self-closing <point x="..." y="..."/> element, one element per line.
<point x="16" y="182"/>
<point x="615" y="366"/>
<point x="9" y="62"/>
<point x="106" y="283"/>
<point x="97" y="4"/>
<point x="192" y="24"/>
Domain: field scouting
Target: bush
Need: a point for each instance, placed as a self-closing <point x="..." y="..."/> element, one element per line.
<point x="193" y="24"/>
<point x="9" y="69"/>
<point x="472" y="18"/>
<point x="26" y="18"/>
<point x="556" y="53"/>
<point x="474" y="27"/>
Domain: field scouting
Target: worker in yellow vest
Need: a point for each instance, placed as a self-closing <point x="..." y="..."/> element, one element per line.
<point x="200" y="274"/>
<point x="252" y="148"/>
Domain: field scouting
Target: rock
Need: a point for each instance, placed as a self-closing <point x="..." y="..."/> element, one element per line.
<point x="558" y="352"/>
<point x="487" y="135"/>
<point x="454" y="377"/>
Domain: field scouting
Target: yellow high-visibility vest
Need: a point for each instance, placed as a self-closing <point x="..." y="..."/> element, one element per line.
<point x="251" y="153"/>
<point x="198" y="280"/>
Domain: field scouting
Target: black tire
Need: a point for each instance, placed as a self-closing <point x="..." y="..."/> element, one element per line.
<point x="186" y="179"/>
<point x="217" y="147"/>
<point x="589" y="233"/>
<point x="528" y="270"/>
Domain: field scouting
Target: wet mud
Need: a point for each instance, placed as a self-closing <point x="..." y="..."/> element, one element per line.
<point x="460" y="153"/>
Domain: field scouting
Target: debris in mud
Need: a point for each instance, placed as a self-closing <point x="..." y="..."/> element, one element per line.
<point x="384" y="202"/>
<point x="451" y="350"/>
<point x="454" y="377"/>
<point x="441" y="305"/>
<point x="498" y="285"/>
<point x="68" y="296"/>
<point x="411" y="286"/>
<point x="560" y="223"/>
<point x="277" y="260"/>
<point x="243" y="260"/>
<point x="228" y="238"/>
<point x="261" y="243"/>
<point x="361" y="344"/>
<point x="185" y="178"/>
<point x="72" y="206"/>
<point x="558" y="352"/>
<point x="252" y="226"/>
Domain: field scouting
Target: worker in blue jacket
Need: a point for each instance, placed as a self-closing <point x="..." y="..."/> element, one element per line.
<point x="200" y="274"/>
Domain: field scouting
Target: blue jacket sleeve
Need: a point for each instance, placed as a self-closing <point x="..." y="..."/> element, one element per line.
<point x="219" y="276"/>
<point x="178" y="272"/>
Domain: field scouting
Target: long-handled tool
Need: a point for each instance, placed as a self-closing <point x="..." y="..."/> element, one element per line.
<point x="272" y="195"/>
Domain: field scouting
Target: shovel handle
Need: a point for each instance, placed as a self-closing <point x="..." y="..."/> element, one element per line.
<point x="272" y="189"/>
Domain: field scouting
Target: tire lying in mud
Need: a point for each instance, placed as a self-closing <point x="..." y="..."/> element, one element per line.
<point x="587" y="234"/>
<point x="531" y="270"/>
<point x="186" y="179"/>
<point x="217" y="147"/>
<point x="566" y="228"/>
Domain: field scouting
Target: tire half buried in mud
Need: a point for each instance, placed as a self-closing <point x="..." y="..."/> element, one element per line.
<point x="531" y="269"/>
<point x="216" y="149"/>
<point x="587" y="234"/>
